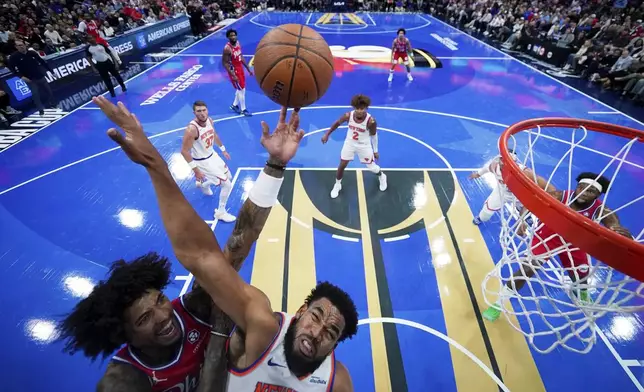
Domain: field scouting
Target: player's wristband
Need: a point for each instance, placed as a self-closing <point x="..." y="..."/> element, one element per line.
<point x="192" y="164"/>
<point x="276" y="167"/>
<point x="265" y="191"/>
<point x="222" y="148"/>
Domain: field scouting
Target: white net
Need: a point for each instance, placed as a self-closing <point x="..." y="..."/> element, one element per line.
<point x="558" y="292"/>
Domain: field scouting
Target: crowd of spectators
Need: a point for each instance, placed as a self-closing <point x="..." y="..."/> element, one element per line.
<point x="56" y="26"/>
<point x="606" y="42"/>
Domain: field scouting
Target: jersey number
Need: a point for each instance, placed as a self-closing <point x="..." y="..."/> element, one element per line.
<point x="209" y="141"/>
<point x="355" y="135"/>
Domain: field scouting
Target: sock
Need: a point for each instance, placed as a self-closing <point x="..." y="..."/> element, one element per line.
<point x="391" y="71"/>
<point x="236" y="101"/>
<point x="338" y="182"/>
<point x="242" y="99"/>
<point x="226" y="187"/>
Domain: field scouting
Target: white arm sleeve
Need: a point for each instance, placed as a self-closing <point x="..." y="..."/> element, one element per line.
<point x="374" y="142"/>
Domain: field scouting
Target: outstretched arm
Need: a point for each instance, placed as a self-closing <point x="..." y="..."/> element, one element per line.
<point x="344" y="118"/>
<point x="192" y="240"/>
<point x="611" y="221"/>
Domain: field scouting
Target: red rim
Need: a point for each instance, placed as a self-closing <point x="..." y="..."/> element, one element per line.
<point x="619" y="252"/>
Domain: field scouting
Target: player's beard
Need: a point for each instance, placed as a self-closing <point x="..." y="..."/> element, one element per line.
<point x="299" y="365"/>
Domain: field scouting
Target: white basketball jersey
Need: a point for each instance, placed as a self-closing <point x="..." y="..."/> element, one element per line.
<point x="202" y="147"/>
<point x="358" y="132"/>
<point x="495" y="168"/>
<point x="270" y="372"/>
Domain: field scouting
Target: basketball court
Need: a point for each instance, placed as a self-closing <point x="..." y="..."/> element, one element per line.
<point x="71" y="203"/>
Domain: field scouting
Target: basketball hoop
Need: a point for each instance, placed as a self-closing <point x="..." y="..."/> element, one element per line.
<point x="550" y="309"/>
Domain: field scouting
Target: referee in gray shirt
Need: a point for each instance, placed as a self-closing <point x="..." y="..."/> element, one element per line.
<point x="101" y="59"/>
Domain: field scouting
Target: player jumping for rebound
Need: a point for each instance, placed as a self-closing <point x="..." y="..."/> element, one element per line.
<point x="500" y="194"/>
<point x="584" y="200"/>
<point x="234" y="62"/>
<point x="362" y="133"/>
<point x="400" y="49"/>
<point x="206" y="164"/>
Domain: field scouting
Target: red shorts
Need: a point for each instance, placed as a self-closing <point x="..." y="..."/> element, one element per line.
<point x="241" y="79"/>
<point x="568" y="259"/>
<point x="400" y="55"/>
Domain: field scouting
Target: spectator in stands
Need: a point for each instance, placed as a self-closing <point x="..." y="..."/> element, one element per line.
<point x="619" y="69"/>
<point x="107" y="30"/>
<point x="53" y="36"/>
<point x="574" y="59"/>
<point x="566" y="38"/>
<point x="29" y="67"/>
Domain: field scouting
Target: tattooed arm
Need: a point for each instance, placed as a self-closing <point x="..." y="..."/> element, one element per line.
<point x="123" y="377"/>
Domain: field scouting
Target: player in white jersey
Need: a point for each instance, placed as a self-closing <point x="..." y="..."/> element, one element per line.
<point x="500" y="193"/>
<point x="327" y="317"/>
<point x="362" y="139"/>
<point x="208" y="167"/>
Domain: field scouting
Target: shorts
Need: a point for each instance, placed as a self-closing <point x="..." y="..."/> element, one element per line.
<point x="214" y="168"/>
<point x="569" y="259"/>
<point x="400" y="55"/>
<point x="364" y="151"/>
<point x="241" y="79"/>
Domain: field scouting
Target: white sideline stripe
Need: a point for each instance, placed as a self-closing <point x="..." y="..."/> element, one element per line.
<point x="88" y="108"/>
<point x="117" y="87"/>
<point x="604" y="112"/>
<point x="334" y="168"/>
<point x="399" y="238"/>
<point x="537" y="70"/>
<point x="619" y="359"/>
<point x="632" y="362"/>
<point x="343" y="238"/>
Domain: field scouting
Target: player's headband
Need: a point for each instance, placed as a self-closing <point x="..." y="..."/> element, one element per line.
<point x="592" y="182"/>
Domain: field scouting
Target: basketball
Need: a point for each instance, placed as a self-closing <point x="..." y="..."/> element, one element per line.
<point x="293" y="65"/>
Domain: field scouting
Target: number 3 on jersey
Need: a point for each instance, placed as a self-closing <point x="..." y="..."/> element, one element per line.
<point x="209" y="140"/>
<point x="355" y="135"/>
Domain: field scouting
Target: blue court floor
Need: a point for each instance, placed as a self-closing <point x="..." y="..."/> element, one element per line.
<point x="71" y="203"/>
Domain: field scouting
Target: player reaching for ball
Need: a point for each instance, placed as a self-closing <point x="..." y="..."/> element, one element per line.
<point x="584" y="199"/>
<point x="400" y="49"/>
<point x="208" y="167"/>
<point x="234" y="62"/>
<point x="362" y="133"/>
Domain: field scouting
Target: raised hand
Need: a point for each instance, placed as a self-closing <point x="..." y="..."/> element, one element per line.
<point x="136" y="145"/>
<point x="283" y="143"/>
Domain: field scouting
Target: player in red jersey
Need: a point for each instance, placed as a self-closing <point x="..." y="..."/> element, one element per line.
<point x="584" y="200"/>
<point x="235" y="63"/>
<point x="400" y="49"/>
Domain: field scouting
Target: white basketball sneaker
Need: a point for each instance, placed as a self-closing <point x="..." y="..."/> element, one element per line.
<point x="224" y="216"/>
<point x="336" y="190"/>
<point x="391" y="77"/>
<point x="409" y="77"/>
<point x="205" y="187"/>
<point x="383" y="181"/>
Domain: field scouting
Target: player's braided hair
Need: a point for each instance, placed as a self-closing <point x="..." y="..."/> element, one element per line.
<point x="360" y="101"/>
<point x="603" y="181"/>
<point x="96" y="325"/>
<point x="341" y="300"/>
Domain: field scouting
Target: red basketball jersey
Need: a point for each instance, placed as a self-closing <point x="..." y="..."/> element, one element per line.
<point x="400" y="46"/>
<point x="182" y="373"/>
<point x="235" y="54"/>
<point x="589" y="212"/>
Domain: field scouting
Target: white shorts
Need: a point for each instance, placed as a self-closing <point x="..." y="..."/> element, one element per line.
<point x="214" y="168"/>
<point x="364" y="151"/>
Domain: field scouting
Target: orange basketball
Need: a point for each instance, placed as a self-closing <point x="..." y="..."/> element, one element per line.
<point x="293" y="65"/>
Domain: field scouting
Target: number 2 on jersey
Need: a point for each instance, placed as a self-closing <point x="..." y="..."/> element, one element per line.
<point x="355" y="135"/>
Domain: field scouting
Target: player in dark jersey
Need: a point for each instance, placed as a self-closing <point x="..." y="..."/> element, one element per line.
<point x="235" y="63"/>
<point x="587" y="203"/>
<point x="400" y="50"/>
